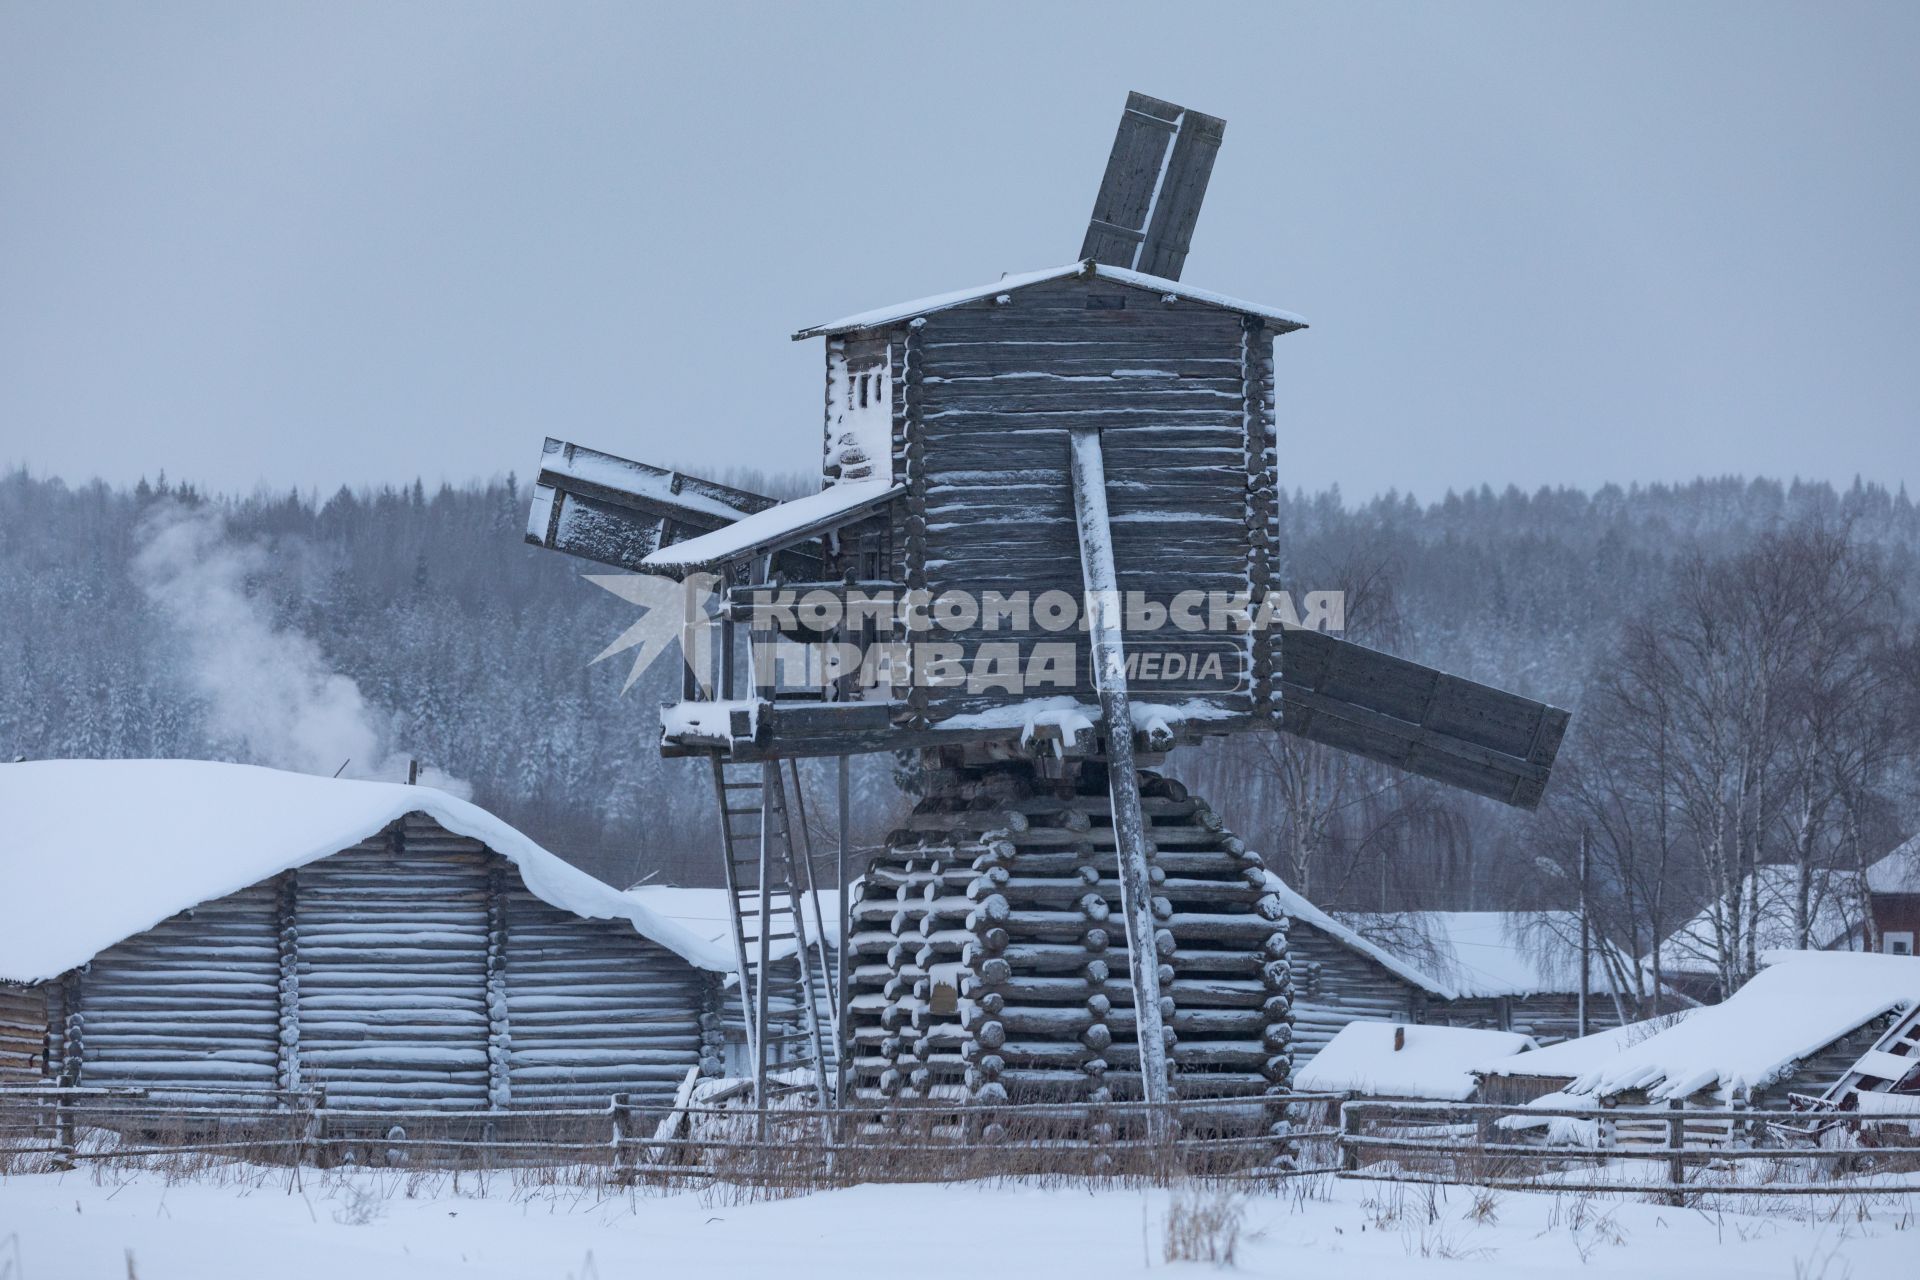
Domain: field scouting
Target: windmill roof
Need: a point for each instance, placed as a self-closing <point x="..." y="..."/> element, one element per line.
<point x="95" y="851"/>
<point x="880" y="317"/>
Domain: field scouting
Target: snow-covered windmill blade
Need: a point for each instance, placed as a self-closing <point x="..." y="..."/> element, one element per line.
<point x="1156" y="177"/>
<point x="615" y="511"/>
<point x="1439" y="726"/>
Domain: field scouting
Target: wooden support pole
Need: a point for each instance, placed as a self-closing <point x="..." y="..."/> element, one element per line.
<point x="1676" y="1161"/>
<point x="843" y="1042"/>
<point x="769" y="788"/>
<point x="1104" y="615"/>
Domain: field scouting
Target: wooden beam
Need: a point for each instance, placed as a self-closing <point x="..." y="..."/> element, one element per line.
<point x="1123" y="780"/>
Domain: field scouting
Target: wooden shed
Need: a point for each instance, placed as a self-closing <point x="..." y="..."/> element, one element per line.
<point x="228" y="929"/>
<point x="1801" y="1025"/>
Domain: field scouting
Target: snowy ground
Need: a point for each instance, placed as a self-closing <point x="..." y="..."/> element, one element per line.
<point x="368" y="1226"/>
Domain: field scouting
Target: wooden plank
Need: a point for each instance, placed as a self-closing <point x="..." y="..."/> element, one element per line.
<point x="1432" y="724"/>
<point x="1121" y="206"/>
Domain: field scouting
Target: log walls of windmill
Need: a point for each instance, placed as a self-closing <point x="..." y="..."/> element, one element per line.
<point x="1335" y="985"/>
<point x="23" y="1033"/>
<point x="990" y="960"/>
<point x="989" y="392"/>
<point x="411" y="970"/>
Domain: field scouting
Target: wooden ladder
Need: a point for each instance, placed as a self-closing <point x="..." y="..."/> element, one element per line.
<point x="1893" y="1058"/>
<point x="765" y="893"/>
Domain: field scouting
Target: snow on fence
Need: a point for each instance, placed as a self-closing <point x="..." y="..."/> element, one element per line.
<point x="1592" y="1150"/>
<point x="1236" y="1139"/>
<point x="56" y="1127"/>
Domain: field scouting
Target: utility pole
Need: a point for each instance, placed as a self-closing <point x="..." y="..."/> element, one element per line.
<point x="1586" y="936"/>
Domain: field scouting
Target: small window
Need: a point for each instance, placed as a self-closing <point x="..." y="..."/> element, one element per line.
<point x="865" y="378"/>
<point x="1897" y="944"/>
<point x="1106" y="302"/>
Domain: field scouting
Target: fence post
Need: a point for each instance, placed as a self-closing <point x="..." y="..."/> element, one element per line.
<point x="622" y="1102"/>
<point x="63" y="1143"/>
<point x="315" y="1138"/>
<point x="1349" y="1129"/>
<point x="1676" y="1162"/>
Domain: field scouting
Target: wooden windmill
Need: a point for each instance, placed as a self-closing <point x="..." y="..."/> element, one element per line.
<point x="1098" y="432"/>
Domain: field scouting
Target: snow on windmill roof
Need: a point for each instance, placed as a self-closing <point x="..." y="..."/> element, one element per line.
<point x="880" y="317"/>
<point x="95" y="851"/>
<point x="1300" y="909"/>
<point x="1490" y="953"/>
<point x="1396" y="1060"/>
<point x="1694" y="947"/>
<point x="777" y="527"/>
<point x="1801" y="1002"/>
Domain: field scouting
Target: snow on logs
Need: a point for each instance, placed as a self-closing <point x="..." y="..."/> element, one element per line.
<point x="1010" y="897"/>
<point x="413" y="969"/>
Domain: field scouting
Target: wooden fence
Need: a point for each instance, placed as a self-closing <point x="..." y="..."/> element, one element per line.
<point x="1499" y="1145"/>
<point x="1257" y="1138"/>
<point x="1251" y="1141"/>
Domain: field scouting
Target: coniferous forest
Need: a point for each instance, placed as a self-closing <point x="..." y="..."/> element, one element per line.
<point x="374" y="626"/>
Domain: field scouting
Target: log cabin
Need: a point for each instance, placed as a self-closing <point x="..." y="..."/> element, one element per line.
<point x="220" y="929"/>
<point x="1507" y="970"/>
<point x="1341" y="976"/>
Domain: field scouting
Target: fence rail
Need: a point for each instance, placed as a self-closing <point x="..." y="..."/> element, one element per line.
<point x="1249" y="1139"/>
<point x="1458" y="1143"/>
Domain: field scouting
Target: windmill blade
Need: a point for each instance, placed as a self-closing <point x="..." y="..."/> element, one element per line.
<point x="1427" y="722"/>
<point x="1156" y="177"/>
<point x="615" y="511"/>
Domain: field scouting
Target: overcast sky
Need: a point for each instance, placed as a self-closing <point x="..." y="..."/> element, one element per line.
<point x="303" y="245"/>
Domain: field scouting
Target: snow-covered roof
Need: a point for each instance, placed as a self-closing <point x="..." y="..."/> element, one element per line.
<point x="1300" y="909"/>
<point x="1490" y="953"/>
<point x="882" y="316"/>
<point x="1798" y="1004"/>
<point x="1431" y="1062"/>
<point x="1694" y="947"/>
<point x="777" y="527"/>
<point x="1898" y="872"/>
<point x="95" y="851"/>
<point x="1572" y="1058"/>
<point x="704" y="912"/>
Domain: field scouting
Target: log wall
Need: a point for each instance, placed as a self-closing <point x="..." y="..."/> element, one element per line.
<point x="1335" y="985"/>
<point x="413" y="969"/>
<point x="23" y="1032"/>
<point x="990" y="961"/>
<point x="1178" y="390"/>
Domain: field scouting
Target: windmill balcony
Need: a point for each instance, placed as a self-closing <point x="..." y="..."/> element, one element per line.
<point x="812" y="654"/>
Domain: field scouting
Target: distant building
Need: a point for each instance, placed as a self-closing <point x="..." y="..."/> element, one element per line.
<point x="1501" y="971"/>
<point x="1874" y="910"/>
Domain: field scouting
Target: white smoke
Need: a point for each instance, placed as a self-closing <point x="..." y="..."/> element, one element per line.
<point x="268" y="689"/>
